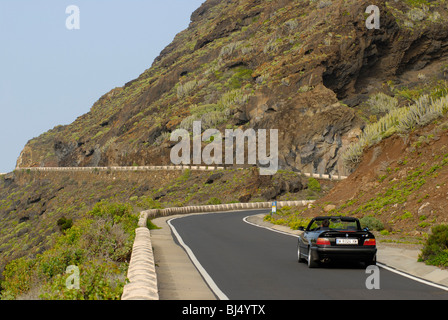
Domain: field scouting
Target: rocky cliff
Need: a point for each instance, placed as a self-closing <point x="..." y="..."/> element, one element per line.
<point x="305" y="68"/>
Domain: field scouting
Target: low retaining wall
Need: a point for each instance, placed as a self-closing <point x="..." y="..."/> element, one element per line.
<point x="156" y="213"/>
<point x="325" y="176"/>
<point x="158" y="168"/>
<point x="133" y="168"/>
<point x="142" y="272"/>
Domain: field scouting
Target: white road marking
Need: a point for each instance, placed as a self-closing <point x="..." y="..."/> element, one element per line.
<point x="407" y="275"/>
<point x="213" y="286"/>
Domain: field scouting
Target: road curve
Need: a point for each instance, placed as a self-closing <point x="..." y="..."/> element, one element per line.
<point x="246" y="262"/>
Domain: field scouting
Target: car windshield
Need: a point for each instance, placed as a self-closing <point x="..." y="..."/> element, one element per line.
<point x="333" y="223"/>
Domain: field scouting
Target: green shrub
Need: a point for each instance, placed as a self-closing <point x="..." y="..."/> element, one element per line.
<point x="293" y="221"/>
<point x="186" y="174"/>
<point x="285" y="210"/>
<point x="151" y="226"/>
<point x="294" y="224"/>
<point x="241" y="75"/>
<point x="416" y="14"/>
<point x="64" y="223"/>
<point x="100" y="244"/>
<point x="18" y="278"/>
<point x="381" y="102"/>
<point x="214" y="201"/>
<point x="184" y="89"/>
<point x="213" y="119"/>
<point x="99" y="280"/>
<point x="104" y="209"/>
<point x="147" y="203"/>
<point x="118" y="213"/>
<point x="372" y="223"/>
<point x="233" y="98"/>
<point x="435" y="251"/>
<point x="314" y="185"/>
<point x="406" y="215"/>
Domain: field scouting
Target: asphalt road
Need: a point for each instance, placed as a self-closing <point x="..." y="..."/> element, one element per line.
<point x="246" y="262"/>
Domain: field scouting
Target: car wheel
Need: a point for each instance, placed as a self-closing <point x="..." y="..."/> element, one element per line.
<point x="311" y="262"/>
<point x="299" y="254"/>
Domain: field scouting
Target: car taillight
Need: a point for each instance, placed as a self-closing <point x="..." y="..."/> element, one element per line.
<point x="370" y="242"/>
<point x="323" y="241"/>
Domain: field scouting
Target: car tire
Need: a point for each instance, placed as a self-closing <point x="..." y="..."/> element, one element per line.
<point x="300" y="258"/>
<point x="311" y="262"/>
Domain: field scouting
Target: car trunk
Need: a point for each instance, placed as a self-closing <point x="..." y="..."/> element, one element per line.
<point x="345" y="238"/>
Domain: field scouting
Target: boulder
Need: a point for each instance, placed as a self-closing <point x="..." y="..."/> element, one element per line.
<point x="214" y="177"/>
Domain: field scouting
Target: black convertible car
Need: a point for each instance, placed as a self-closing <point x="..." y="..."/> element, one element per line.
<point x="336" y="238"/>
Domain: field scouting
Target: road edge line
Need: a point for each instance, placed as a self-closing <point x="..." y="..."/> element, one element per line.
<point x="208" y="279"/>
<point x="412" y="277"/>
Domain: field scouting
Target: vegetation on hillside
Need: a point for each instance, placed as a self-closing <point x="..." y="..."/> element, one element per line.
<point x="99" y="244"/>
<point x="425" y="109"/>
<point x="435" y="251"/>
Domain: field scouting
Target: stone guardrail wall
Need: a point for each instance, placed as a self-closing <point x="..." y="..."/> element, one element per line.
<point x="158" y="168"/>
<point x="116" y="168"/>
<point x="325" y="176"/>
<point x="142" y="272"/>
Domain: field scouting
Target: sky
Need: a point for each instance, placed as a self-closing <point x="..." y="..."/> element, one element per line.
<point x="53" y="69"/>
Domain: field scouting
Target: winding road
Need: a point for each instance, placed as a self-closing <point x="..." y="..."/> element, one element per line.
<point x="241" y="261"/>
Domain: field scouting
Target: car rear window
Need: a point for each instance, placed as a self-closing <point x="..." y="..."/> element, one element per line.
<point x="334" y="223"/>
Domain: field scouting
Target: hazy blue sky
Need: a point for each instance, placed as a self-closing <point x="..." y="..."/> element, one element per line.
<point x="50" y="75"/>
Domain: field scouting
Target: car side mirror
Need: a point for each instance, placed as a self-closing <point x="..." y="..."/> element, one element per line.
<point x="366" y="229"/>
<point x="301" y="229"/>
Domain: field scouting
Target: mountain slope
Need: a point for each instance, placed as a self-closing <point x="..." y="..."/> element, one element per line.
<point x="283" y="65"/>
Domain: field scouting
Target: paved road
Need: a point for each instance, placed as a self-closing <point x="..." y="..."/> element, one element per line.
<point x="249" y="263"/>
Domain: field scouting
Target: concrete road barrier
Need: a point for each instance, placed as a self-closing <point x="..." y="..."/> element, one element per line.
<point x="158" y="168"/>
<point x="142" y="272"/>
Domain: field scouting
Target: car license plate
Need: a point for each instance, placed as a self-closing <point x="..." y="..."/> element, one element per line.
<point x="346" y="241"/>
